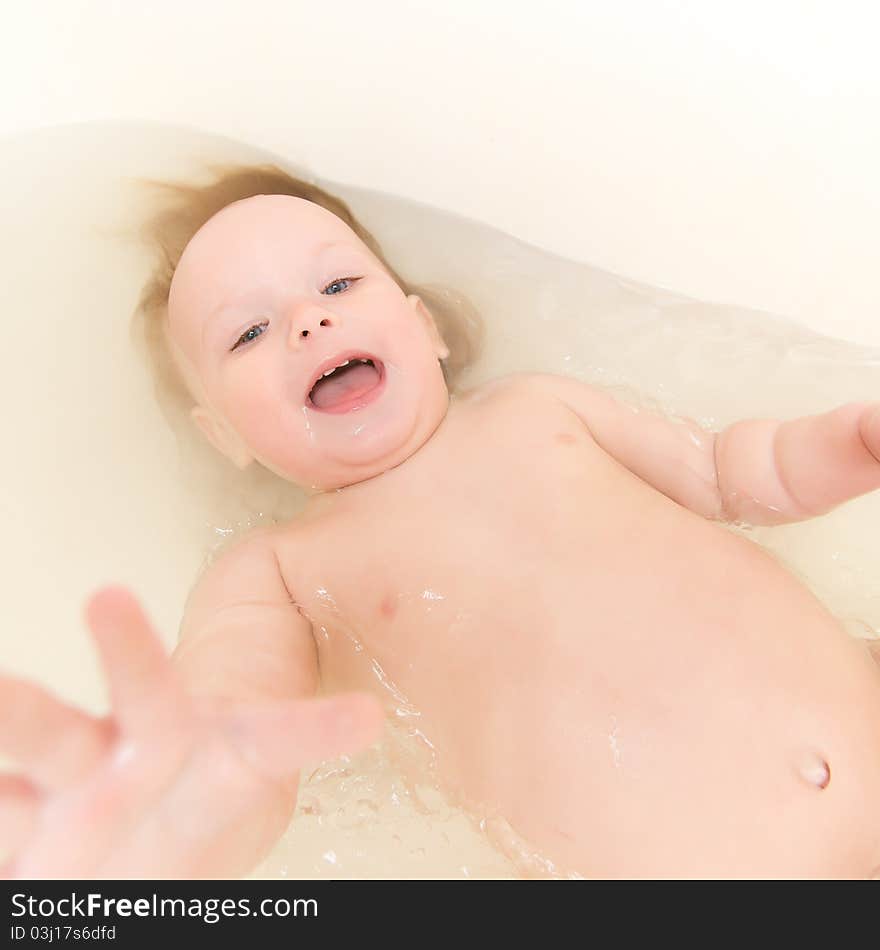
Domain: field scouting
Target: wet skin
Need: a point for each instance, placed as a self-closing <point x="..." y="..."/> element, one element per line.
<point x="629" y="686"/>
<point x="636" y="689"/>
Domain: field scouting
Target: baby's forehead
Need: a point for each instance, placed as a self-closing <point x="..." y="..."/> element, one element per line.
<point x="250" y="236"/>
<point x="267" y="217"/>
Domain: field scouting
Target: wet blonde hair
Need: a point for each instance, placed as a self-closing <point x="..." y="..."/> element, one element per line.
<point x="179" y="209"/>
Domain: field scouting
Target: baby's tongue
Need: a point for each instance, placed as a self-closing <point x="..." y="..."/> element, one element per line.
<point x="346" y="383"/>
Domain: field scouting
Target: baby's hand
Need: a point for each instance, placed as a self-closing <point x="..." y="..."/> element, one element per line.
<point x="770" y="472"/>
<point x="167" y="785"/>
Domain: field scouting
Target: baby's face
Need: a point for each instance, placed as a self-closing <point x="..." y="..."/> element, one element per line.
<point x="271" y="293"/>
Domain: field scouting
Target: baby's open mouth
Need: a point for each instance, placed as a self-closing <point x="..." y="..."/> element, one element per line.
<point x="355" y="381"/>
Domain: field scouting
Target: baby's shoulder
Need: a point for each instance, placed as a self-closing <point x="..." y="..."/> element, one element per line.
<point x="240" y="550"/>
<point x="520" y="395"/>
<point x="514" y="384"/>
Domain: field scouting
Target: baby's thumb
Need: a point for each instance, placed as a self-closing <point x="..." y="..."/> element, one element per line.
<point x="280" y="738"/>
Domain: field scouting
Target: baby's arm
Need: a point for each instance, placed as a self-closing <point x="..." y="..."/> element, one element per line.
<point x="194" y="773"/>
<point x="242" y="637"/>
<point x="761" y="471"/>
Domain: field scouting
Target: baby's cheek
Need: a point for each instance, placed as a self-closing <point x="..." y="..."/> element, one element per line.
<point x="275" y="431"/>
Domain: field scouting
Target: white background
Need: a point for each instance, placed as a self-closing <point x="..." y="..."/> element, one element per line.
<point x="729" y="151"/>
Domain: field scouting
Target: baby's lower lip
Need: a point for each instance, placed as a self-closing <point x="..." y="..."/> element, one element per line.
<point x="356" y="402"/>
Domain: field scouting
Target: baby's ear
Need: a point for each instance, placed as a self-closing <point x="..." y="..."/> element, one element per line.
<point x="226" y="442"/>
<point x="440" y="347"/>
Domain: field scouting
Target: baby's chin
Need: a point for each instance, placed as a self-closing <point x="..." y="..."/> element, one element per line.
<point x="359" y="457"/>
<point x="345" y="472"/>
<point x="332" y="450"/>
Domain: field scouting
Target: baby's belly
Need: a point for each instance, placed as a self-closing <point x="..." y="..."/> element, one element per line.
<point x="718" y="765"/>
<point x="704" y="718"/>
<point x="666" y="710"/>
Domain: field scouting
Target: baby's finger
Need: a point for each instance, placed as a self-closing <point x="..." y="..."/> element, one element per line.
<point x="54" y="743"/>
<point x="281" y="738"/>
<point x="19" y="803"/>
<point x="137" y="667"/>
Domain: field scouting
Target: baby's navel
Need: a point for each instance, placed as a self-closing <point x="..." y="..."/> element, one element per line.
<point x="813" y="769"/>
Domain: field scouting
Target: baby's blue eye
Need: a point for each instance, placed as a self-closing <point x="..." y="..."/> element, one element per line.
<point x="339" y="280"/>
<point x="246" y="337"/>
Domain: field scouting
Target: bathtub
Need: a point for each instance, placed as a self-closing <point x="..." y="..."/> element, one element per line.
<point x="660" y="160"/>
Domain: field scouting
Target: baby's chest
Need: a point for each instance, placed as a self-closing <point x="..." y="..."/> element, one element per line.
<point x="463" y="547"/>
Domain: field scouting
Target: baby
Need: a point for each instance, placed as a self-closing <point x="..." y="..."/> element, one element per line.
<point x="621" y="683"/>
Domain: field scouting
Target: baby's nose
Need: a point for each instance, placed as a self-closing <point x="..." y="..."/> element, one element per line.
<point x="305" y="325"/>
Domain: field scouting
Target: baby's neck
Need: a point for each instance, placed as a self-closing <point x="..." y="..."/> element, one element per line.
<point x="319" y="499"/>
